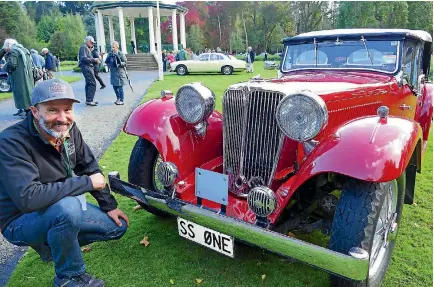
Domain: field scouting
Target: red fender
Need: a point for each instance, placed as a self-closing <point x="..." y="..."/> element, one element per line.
<point x="424" y="110"/>
<point x="158" y="122"/>
<point x="368" y="148"/>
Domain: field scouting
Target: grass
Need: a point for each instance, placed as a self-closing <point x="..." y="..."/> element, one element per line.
<point x="168" y="257"/>
<point x="69" y="79"/>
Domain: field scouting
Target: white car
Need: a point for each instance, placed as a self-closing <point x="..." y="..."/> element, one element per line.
<point x="208" y="62"/>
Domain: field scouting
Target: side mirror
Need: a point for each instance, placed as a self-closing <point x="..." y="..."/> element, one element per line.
<point x="402" y="78"/>
<point x="420" y="83"/>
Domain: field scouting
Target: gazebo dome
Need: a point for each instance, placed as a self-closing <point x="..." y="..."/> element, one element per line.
<point x="138" y="9"/>
<point x="134" y="8"/>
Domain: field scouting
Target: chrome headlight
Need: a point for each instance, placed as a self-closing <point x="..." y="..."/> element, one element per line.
<point x="194" y="103"/>
<point x="302" y="116"/>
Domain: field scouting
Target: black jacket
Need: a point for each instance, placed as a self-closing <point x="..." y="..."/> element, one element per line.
<point x="85" y="56"/>
<point x="33" y="175"/>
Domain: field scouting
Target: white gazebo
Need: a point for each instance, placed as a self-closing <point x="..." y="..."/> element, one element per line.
<point x="138" y="9"/>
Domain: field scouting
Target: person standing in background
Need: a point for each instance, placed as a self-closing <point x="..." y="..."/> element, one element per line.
<point x="133" y="46"/>
<point x="97" y="67"/>
<point x="19" y="68"/>
<point x="250" y="59"/>
<point x="117" y="62"/>
<point x="50" y="63"/>
<point x="164" y="57"/>
<point x="86" y="63"/>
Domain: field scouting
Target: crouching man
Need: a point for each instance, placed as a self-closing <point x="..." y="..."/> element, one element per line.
<point x="42" y="202"/>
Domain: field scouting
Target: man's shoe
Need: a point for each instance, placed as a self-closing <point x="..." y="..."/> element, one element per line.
<point x="102" y="87"/>
<point x="84" y="280"/>
<point x="93" y="104"/>
<point x="19" y="112"/>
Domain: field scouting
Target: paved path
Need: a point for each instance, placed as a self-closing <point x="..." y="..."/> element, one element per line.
<point x="99" y="126"/>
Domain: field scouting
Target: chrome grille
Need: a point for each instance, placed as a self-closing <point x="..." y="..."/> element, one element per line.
<point x="252" y="138"/>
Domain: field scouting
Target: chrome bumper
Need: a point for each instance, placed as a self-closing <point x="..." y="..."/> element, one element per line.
<point x="353" y="267"/>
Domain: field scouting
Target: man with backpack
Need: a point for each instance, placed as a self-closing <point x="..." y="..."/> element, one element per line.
<point x="50" y="63"/>
<point x="19" y="66"/>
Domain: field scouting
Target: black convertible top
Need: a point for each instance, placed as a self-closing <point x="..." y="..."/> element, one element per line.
<point x="358" y="33"/>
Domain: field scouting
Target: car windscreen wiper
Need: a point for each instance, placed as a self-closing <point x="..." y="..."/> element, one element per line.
<point x="367" y="50"/>
<point x="315" y="47"/>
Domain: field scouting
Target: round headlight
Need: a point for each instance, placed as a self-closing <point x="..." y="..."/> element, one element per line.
<point x="302" y="116"/>
<point x="194" y="103"/>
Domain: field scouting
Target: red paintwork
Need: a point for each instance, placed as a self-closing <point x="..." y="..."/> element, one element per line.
<point x="345" y="147"/>
<point x="424" y="110"/>
<point x="369" y="148"/>
<point x="177" y="142"/>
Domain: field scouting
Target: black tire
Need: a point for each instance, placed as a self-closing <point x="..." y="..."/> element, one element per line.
<point x="141" y="170"/>
<point x="357" y="217"/>
<point x="4" y="85"/>
<point x="181" y="70"/>
<point x="227" y="70"/>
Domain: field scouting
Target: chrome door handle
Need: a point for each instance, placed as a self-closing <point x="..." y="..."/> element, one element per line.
<point x="404" y="107"/>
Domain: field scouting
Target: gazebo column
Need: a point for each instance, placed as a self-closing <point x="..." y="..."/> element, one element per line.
<point x="182" y="30"/>
<point x="133" y="32"/>
<point x="122" y="30"/>
<point x="111" y="31"/>
<point x="174" y="31"/>
<point x="101" y="32"/>
<point x="151" y="31"/>
<point x="97" y="37"/>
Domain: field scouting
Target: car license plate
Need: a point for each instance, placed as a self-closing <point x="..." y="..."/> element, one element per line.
<point x="217" y="241"/>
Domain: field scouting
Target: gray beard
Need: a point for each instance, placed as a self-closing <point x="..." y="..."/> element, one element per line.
<point x="51" y="132"/>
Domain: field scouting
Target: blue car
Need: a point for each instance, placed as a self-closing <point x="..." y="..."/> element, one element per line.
<point x="4" y="83"/>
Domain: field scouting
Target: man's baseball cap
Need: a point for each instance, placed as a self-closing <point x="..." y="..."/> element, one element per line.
<point x="50" y="90"/>
<point x="89" y="38"/>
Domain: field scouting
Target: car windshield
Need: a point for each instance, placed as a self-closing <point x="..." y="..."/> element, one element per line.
<point x="347" y="54"/>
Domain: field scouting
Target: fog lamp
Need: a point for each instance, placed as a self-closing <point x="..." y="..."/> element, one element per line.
<point x="262" y="201"/>
<point x="167" y="173"/>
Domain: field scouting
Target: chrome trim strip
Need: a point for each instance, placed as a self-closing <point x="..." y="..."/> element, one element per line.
<point x="323" y="258"/>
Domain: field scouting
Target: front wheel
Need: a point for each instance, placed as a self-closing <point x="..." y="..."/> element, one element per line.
<point x="142" y="168"/>
<point x="181" y="70"/>
<point x="367" y="216"/>
<point x="227" y="70"/>
<point x="4" y="85"/>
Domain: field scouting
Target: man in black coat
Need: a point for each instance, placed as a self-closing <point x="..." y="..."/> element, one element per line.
<point x="97" y="67"/>
<point x="46" y="170"/>
<point x="86" y="62"/>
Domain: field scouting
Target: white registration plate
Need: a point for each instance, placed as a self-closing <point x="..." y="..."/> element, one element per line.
<point x="217" y="241"/>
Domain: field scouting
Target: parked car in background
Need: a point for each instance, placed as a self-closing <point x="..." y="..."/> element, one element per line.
<point x="332" y="145"/>
<point x="208" y="62"/>
<point x="4" y="83"/>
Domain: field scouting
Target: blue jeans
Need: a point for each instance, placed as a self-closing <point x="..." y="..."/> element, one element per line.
<point x="119" y="91"/>
<point x="64" y="227"/>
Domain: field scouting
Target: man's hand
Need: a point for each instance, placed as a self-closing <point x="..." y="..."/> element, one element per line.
<point x="115" y="214"/>
<point x="98" y="181"/>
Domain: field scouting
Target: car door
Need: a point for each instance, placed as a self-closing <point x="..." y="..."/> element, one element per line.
<point x="411" y="68"/>
<point x="201" y="63"/>
<point x="215" y="64"/>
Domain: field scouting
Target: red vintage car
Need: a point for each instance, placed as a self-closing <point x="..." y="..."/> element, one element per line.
<point x="333" y="144"/>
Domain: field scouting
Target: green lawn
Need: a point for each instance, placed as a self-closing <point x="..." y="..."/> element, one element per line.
<point x="69" y="79"/>
<point x="168" y="257"/>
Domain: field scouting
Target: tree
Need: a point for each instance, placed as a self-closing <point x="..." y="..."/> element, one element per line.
<point x="16" y="23"/>
<point x="66" y="42"/>
<point x="195" y="38"/>
<point x="308" y="15"/>
<point x="421" y="16"/>
<point x="45" y="28"/>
